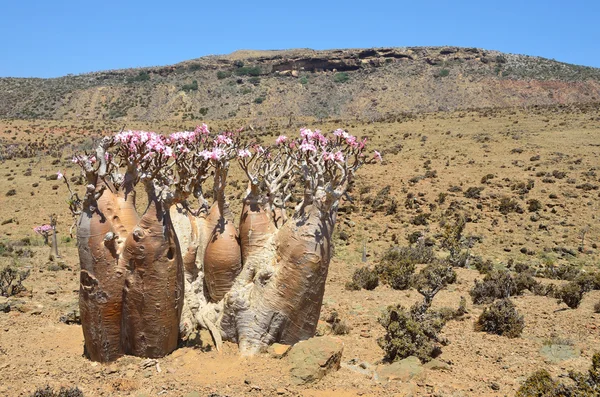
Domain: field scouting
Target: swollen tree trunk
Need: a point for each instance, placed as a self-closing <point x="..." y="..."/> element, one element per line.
<point x="153" y="291"/>
<point x="101" y="279"/>
<point x="278" y="295"/>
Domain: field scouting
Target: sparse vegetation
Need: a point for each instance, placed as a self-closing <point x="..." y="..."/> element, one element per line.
<point x="363" y="278"/>
<point x="501" y="318"/>
<point x="11" y="281"/>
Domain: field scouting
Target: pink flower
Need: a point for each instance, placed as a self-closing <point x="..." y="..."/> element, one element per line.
<point x="377" y="156"/>
<point x="281" y="139"/>
<point x="217" y="154"/>
<point x="339" y="156"/>
<point x="328" y="156"/>
<point x="308" y="147"/>
<point x="244" y="153"/>
<point x="202" y="129"/>
<point x="339" y="132"/>
<point x="223" y="140"/>
<point x="259" y="149"/>
<point x="59" y="175"/>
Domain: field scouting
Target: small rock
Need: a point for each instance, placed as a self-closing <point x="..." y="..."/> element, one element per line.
<point x="402" y="370"/>
<point x="494" y="386"/>
<point x="71" y="317"/>
<point x="314" y="358"/>
<point x="436" y="364"/>
<point x="51" y="292"/>
<point x="277" y="350"/>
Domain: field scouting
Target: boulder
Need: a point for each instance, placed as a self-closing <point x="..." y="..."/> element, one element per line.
<point x="402" y="370"/>
<point x="277" y="350"/>
<point x="312" y="359"/>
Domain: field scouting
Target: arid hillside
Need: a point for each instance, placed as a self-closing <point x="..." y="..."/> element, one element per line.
<point x="369" y="85"/>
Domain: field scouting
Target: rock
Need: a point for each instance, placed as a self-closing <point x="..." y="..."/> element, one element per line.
<point x="402" y="370"/>
<point x="436" y="364"/>
<point x="323" y="328"/>
<point x="314" y="358"/>
<point x="558" y="353"/>
<point x="294" y="73"/>
<point x="277" y="350"/>
<point x="72" y="316"/>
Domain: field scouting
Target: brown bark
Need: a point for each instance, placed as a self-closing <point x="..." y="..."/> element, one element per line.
<point x="153" y="291"/>
<point x="101" y="281"/>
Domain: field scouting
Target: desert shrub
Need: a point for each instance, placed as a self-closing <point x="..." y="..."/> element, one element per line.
<point x="541" y="384"/>
<point x="597" y="307"/>
<point x="11" y="192"/>
<point x="407" y="335"/>
<point x="248" y="71"/>
<point x="571" y="294"/>
<point x="338" y="326"/>
<point x="363" y="278"/>
<point x="433" y="277"/>
<point x="534" y="205"/>
<point x="501" y="318"/>
<point x="487" y="177"/>
<point x="443" y="73"/>
<point x="474" y="192"/>
<point x="561" y="272"/>
<point x="483" y="267"/>
<point x="193" y="86"/>
<point x="499" y="284"/>
<point x="397" y="273"/>
<point x="420" y="219"/>
<point x="63" y="392"/>
<point x="508" y="205"/>
<point x="259" y="100"/>
<point x="381" y="199"/>
<point x="341" y="77"/>
<point x="414" y="237"/>
<point x="223" y="74"/>
<point x="452" y="240"/>
<point x="11" y="281"/>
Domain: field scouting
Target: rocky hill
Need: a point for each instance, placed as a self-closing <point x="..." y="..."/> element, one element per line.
<point x="367" y="84"/>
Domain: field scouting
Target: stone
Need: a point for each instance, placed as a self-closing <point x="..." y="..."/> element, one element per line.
<point x="277" y="350"/>
<point x="71" y="316"/>
<point x="436" y="364"/>
<point x="312" y="359"/>
<point x="403" y="370"/>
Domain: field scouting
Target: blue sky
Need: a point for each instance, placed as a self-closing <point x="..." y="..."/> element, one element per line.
<point x="46" y="38"/>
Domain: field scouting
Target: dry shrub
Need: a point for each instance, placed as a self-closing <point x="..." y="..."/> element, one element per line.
<point x="363" y="278"/>
<point x="338" y="326"/>
<point x="397" y="266"/>
<point x="63" y="392"/>
<point x="501" y="284"/>
<point x="541" y="384"/>
<point x="11" y="281"/>
<point x="501" y="318"/>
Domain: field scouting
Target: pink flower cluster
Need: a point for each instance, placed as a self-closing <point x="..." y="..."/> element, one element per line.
<point x="215" y="154"/>
<point x="149" y="142"/>
<point x="337" y="156"/>
<point x="42" y="229"/>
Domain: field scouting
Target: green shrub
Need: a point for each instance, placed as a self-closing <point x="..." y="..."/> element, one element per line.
<point x="363" y="278"/>
<point x="259" y="100"/>
<point x="474" y="192"/>
<point x="571" y="294"/>
<point x="443" y="73"/>
<point x="304" y="80"/>
<point x="541" y="384"/>
<point x="254" y="80"/>
<point x="341" y="77"/>
<point x="248" y="71"/>
<point x="223" y="74"/>
<point x="508" y="205"/>
<point x="501" y="284"/>
<point x="141" y="76"/>
<point x="190" y="87"/>
<point x="501" y="318"/>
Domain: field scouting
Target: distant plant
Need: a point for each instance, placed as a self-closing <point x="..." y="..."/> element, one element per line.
<point x="397" y="265"/>
<point x="63" y="392"/>
<point x="338" y="326"/>
<point x="304" y="80"/>
<point x="501" y="318"/>
<point x="508" y="205"/>
<point x="141" y="76"/>
<point x="474" y="192"/>
<point x="443" y="73"/>
<point x="541" y="384"/>
<point x="363" y="278"/>
<point x="248" y="71"/>
<point x="190" y="87"/>
<point x="259" y="100"/>
<point x="223" y="74"/>
<point x="341" y="77"/>
<point x="254" y="80"/>
<point x="499" y="284"/>
<point x="11" y="281"/>
<point x="415" y="332"/>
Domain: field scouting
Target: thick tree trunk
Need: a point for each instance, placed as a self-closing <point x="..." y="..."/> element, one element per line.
<point x="153" y="291"/>
<point x="278" y="295"/>
<point x="101" y="282"/>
